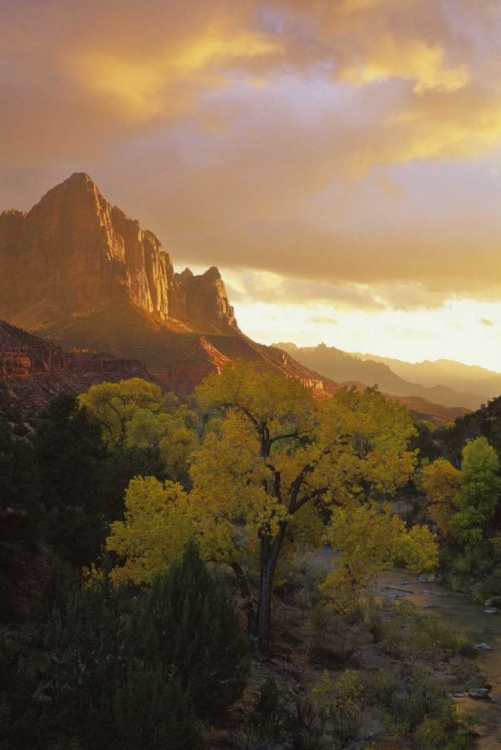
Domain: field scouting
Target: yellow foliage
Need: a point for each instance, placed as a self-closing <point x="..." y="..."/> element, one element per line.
<point x="369" y="539"/>
<point x="114" y="405"/>
<point x="271" y="461"/>
<point x="156" y="528"/>
<point x="441" y="482"/>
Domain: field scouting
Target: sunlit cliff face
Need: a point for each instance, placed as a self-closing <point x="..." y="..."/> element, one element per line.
<point x="339" y="160"/>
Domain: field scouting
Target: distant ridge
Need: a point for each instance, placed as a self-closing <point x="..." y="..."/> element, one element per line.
<point x="344" y="367"/>
<point x="447" y="372"/>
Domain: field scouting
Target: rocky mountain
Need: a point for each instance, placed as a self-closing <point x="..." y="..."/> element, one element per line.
<point x="349" y="368"/>
<point x="33" y="371"/>
<point x="79" y="272"/>
<point x="74" y="252"/>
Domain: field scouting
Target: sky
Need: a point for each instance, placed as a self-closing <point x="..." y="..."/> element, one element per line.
<point x="338" y="160"/>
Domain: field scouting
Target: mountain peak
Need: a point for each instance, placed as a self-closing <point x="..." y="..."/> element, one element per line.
<point x="79" y="178"/>
<point x="74" y="252"/>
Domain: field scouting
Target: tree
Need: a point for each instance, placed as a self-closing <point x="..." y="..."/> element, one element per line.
<point x="464" y="503"/>
<point x="69" y="452"/>
<point x="275" y="459"/>
<point x="155" y="530"/>
<point x="478" y="496"/>
<point x="278" y="451"/>
<point x="107" y="678"/>
<point x="21" y="519"/>
<point x="198" y="633"/>
<point x="441" y="482"/>
<point x="136" y="414"/>
<point x="116" y="405"/>
<point x="369" y="539"/>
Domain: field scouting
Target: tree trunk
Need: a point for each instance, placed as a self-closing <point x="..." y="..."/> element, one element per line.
<point x="249" y="607"/>
<point x="270" y="552"/>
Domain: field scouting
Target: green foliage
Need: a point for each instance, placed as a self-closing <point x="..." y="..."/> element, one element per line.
<point x="86" y="638"/>
<point x="466" y="507"/>
<point x="68" y="450"/>
<point x="340" y="698"/>
<point x="269" y="715"/>
<point x="411" y="700"/>
<point x="114" y="406"/>
<point x="478" y="496"/>
<point x="409" y="633"/>
<point x="108" y="679"/>
<point x="198" y="632"/>
<point x="119" y="469"/>
<point x="154" y="712"/>
<point x="135" y="413"/>
<point x="20" y="518"/>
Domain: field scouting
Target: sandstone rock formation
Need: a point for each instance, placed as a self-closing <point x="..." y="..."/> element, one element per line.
<point x="79" y="272"/>
<point x="74" y="252"/>
<point x="33" y="371"/>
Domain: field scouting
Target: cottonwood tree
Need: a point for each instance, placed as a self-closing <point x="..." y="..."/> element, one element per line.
<point x="441" y="481"/>
<point x="137" y="414"/>
<point x="464" y="503"/>
<point x="368" y="539"/>
<point x="278" y="453"/>
<point x="278" y="458"/>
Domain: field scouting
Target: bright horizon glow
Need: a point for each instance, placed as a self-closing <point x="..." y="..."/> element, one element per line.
<point x="455" y="332"/>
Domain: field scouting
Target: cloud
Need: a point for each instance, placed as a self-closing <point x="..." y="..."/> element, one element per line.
<point x="332" y="145"/>
<point x="324" y="320"/>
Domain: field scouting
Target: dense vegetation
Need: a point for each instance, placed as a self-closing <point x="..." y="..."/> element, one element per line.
<point x="140" y="538"/>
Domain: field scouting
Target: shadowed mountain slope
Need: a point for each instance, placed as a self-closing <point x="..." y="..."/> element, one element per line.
<point x="33" y="371"/>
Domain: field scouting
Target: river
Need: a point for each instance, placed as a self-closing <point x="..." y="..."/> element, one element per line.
<point x="460" y="612"/>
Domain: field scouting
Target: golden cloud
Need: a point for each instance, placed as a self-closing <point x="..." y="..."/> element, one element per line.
<point x="279" y="137"/>
<point x="141" y="85"/>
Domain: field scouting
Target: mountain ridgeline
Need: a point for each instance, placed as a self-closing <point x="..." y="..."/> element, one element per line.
<point x="77" y="271"/>
<point x="442" y="382"/>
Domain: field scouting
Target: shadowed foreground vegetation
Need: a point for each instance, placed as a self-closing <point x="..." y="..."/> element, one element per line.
<point x="155" y="585"/>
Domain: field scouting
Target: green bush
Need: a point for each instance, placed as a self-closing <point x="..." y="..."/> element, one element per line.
<point x="107" y="685"/>
<point x="418" y="695"/>
<point x="444" y="732"/>
<point x="198" y="632"/>
<point x="154" y="712"/>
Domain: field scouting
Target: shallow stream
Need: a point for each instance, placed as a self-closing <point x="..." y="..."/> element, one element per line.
<point x="458" y="611"/>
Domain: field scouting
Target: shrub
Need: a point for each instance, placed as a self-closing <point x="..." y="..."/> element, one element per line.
<point x="331" y="641"/>
<point x="102" y="690"/>
<point x="152" y="711"/>
<point x="199" y="634"/>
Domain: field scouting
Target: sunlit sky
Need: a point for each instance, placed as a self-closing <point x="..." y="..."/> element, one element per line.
<point x="338" y="160"/>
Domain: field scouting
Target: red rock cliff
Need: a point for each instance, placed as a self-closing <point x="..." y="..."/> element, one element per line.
<point x="74" y="252"/>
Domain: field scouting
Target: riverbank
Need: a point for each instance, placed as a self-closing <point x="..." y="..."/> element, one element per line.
<point x="459" y="612"/>
<point x="380" y="677"/>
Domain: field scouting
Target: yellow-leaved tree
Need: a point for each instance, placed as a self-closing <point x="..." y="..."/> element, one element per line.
<point x="155" y="530"/>
<point x="275" y="462"/>
<point x="441" y="481"/>
<point x="278" y="452"/>
<point x="136" y="412"/>
<point x="116" y="405"/>
<point x="368" y="539"/>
